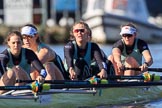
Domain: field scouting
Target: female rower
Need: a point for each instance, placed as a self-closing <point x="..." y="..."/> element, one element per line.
<point x="15" y="62"/>
<point x="51" y="61"/>
<point x="128" y="52"/>
<point x="80" y="52"/>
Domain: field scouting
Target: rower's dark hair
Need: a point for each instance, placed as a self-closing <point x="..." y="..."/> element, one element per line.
<point x="31" y="25"/>
<point x="12" y="33"/>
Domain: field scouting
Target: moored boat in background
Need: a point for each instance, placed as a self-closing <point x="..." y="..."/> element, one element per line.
<point x="105" y="18"/>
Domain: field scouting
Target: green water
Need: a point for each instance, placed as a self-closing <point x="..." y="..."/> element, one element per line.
<point x="109" y="97"/>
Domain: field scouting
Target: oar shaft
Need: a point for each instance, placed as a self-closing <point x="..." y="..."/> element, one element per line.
<point x="149" y="69"/>
<point x="15" y="87"/>
<point x="55" y="81"/>
<point x="111" y="85"/>
<point x="152" y="77"/>
<point x="83" y="85"/>
<point x="126" y="77"/>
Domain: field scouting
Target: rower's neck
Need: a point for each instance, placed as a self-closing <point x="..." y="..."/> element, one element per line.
<point x="34" y="47"/>
<point x="81" y="45"/>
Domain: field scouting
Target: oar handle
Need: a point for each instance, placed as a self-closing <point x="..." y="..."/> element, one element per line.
<point x="149" y="69"/>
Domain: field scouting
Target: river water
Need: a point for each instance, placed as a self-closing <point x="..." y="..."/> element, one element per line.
<point x="156" y="51"/>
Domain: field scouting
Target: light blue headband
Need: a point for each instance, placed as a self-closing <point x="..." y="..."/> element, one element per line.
<point x="128" y="30"/>
<point x="27" y="30"/>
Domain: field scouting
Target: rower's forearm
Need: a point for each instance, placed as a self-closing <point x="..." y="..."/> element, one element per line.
<point x="117" y="59"/>
<point x="149" y="62"/>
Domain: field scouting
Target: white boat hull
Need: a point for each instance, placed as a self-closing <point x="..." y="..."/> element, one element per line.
<point x="106" y="28"/>
<point x="108" y="96"/>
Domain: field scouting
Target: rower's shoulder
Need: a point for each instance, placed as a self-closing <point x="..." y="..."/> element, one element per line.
<point x="93" y="43"/>
<point x="44" y="47"/>
<point x="4" y="51"/>
<point x="141" y="42"/>
<point x="28" y="51"/>
<point x="69" y="45"/>
<point x="118" y="43"/>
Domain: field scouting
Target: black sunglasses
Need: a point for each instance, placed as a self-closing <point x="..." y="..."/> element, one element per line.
<point x="127" y="35"/>
<point x="27" y="37"/>
<point x="78" y="30"/>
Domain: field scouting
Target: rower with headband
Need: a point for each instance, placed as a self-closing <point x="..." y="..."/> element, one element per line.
<point x="50" y="59"/>
<point x="129" y="51"/>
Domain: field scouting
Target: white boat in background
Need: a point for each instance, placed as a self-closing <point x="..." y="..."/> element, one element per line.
<point x="106" y="16"/>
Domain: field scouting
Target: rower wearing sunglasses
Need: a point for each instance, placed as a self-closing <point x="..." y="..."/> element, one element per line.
<point x="50" y="59"/>
<point x="129" y="51"/>
<point x="79" y="53"/>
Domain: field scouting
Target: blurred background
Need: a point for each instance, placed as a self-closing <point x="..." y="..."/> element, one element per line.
<point x="55" y="17"/>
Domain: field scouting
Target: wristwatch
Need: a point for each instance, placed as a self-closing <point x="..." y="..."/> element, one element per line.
<point x="146" y="64"/>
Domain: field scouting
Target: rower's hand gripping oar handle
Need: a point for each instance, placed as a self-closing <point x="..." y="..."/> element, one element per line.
<point x="149" y="69"/>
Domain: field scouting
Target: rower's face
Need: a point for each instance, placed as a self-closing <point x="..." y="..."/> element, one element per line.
<point x="28" y="40"/>
<point x="80" y="33"/>
<point x="128" y="39"/>
<point x="15" y="44"/>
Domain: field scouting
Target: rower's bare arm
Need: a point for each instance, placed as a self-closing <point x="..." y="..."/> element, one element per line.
<point x="43" y="55"/>
<point x="117" y="55"/>
<point x="147" y="57"/>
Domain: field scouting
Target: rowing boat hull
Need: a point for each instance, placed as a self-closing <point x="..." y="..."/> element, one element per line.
<point x="109" y="96"/>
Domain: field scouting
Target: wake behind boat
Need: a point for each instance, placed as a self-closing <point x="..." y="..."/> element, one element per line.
<point x="89" y="93"/>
